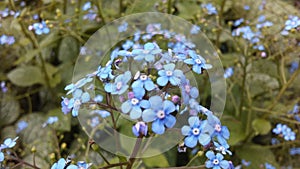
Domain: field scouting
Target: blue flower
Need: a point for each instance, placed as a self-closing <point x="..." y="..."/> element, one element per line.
<point x="87" y="6"/>
<point x="221" y="132"/>
<point x="228" y="72"/>
<point x="246" y="7"/>
<point x="83" y="165"/>
<point x="288" y="134"/>
<point x="195" y="29"/>
<point x="134" y="105"/>
<point x="188" y="91"/>
<point x="120" y="85"/>
<point x="127" y="45"/>
<point x="168" y="74"/>
<point x="294" y="151"/>
<point x="279" y="128"/>
<point x="197" y="61"/>
<point x="145" y="82"/>
<point x="9" y="143"/>
<point x="40" y="28"/>
<point x="140" y="128"/>
<point x="160" y="114"/>
<point x="64" y="105"/>
<point x="292" y="22"/>
<point x="196" y="132"/>
<point x="79" y="97"/>
<point x="3" y="87"/>
<point x="223" y="148"/>
<point x="9" y="40"/>
<point x="148" y="53"/>
<point x="50" y="120"/>
<point x="21" y="126"/>
<point x="216" y="161"/>
<point x="238" y="22"/>
<point x="209" y="8"/>
<point x="105" y="73"/>
<point x="294" y="66"/>
<point x="102" y="113"/>
<point x="72" y="87"/>
<point x="269" y="166"/>
<point x="123" y="27"/>
<point x="61" y="164"/>
<point x="1" y="156"/>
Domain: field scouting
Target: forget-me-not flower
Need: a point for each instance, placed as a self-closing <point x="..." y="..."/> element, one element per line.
<point x="79" y="97"/>
<point x="197" y="61"/>
<point x="143" y="81"/>
<point x="74" y="86"/>
<point x="21" y="125"/>
<point x="168" y="74"/>
<point x="8" y="143"/>
<point x="61" y="164"/>
<point x="216" y="161"/>
<point x="160" y="114"/>
<point x="221" y="132"/>
<point x="120" y="85"/>
<point x="188" y="91"/>
<point x="196" y="132"/>
<point x="209" y="8"/>
<point x="134" y="105"/>
<point x="40" y="28"/>
<point x="123" y="27"/>
<point x="148" y="53"/>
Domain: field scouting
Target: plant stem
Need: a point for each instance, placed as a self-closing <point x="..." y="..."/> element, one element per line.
<point x="100" y="13"/>
<point x="169" y="6"/>
<point x="134" y="152"/>
<point x="23" y="162"/>
<point x="243" y="81"/>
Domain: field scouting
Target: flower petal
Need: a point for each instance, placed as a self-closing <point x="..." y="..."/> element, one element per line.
<point x="170" y="121"/>
<point x="185" y="130"/>
<point x="126" y="107"/>
<point x="190" y="141"/>
<point x="148" y="115"/>
<point x="158" y="127"/>
<point x="135" y="112"/>
<point x="162" y="81"/>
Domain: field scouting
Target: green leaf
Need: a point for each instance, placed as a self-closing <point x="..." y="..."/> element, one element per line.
<point x="26" y="76"/>
<point x="10" y="109"/>
<point x="237" y="134"/>
<point x="142" y="6"/>
<point x="187" y="8"/>
<point x="261" y="126"/>
<point x="257" y="154"/>
<point x="68" y="49"/>
<point x="156" y="161"/>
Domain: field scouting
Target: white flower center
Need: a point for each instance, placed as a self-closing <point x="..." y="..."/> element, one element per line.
<point x="77" y="103"/>
<point x="198" y="61"/>
<point x="143" y="77"/>
<point x="161" y="114"/>
<point x="196" y="131"/>
<point x="119" y="85"/>
<point x="216" y="161"/>
<point x="218" y="127"/>
<point x="169" y="73"/>
<point x="134" y="101"/>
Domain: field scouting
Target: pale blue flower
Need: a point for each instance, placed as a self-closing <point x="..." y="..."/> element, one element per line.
<point x="160" y="114"/>
<point x="148" y="53"/>
<point x="64" y="105"/>
<point x="123" y="27"/>
<point x="197" y="131"/>
<point x="120" y="85"/>
<point x="83" y="165"/>
<point x="221" y="132"/>
<point x="40" y="28"/>
<point x="134" y="105"/>
<point x="228" y="72"/>
<point x="21" y="126"/>
<point x="143" y="81"/>
<point x="197" y="61"/>
<point x="188" y="91"/>
<point x="74" y="86"/>
<point x="216" y="161"/>
<point x="209" y="8"/>
<point x="195" y="29"/>
<point x="79" y="97"/>
<point x="61" y="164"/>
<point x="269" y="166"/>
<point x="168" y="74"/>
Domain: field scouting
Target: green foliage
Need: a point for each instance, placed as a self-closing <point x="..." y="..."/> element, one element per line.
<point x="25" y="76"/>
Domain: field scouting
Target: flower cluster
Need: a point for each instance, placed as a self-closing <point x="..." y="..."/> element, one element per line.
<point x="284" y="131"/>
<point x="292" y="23"/>
<point x="156" y="92"/>
<point x="8" y="143"/>
<point x="39" y="28"/>
<point x="5" y="39"/>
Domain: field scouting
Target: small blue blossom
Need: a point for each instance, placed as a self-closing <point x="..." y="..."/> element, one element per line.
<point x="102" y="113"/>
<point x="238" y="22"/>
<point x="40" y="28"/>
<point x="197" y="61"/>
<point x="8" y="143"/>
<point x="143" y="81"/>
<point x="134" y="105"/>
<point x="65" y="105"/>
<point x="209" y="8"/>
<point x="83" y="165"/>
<point x="222" y="148"/>
<point x="62" y="164"/>
<point x="246" y="163"/>
<point x="50" y="120"/>
<point x="160" y="114"/>
<point x="188" y="91"/>
<point x="3" y="87"/>
<point x="105" y="73"/>
<point x="80" y="83"/>
<point x="123" y="27"/>
<point x="294" y="66"/>
<point x="87" y="6"/>
<point x="269" y="166"/>
<point x="246" y="7"/>
<point x="228" y="72"/>
<point x="196" y="132"/>
<point x="1" y="156"/>
<point x="216" y="161"/>
<point x="98" y="98"/>
<point x="168" y="74"/>
<point x="148" y="53"/>
<point x="140" y="128"/>
<point x="127" y="45"/>
<point x="120" y="85"/>
<point x="296" y="109"/>
<point x="195" y="29"/>
<point x="279" y="128"/>
<point x="5" y="39"/>
<point x="295" y="151"/>
<point x="79" y="97"/>
<point x="21" y="125"/>
<point x="289" y="135"/>
<point x="221" y="132"/>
